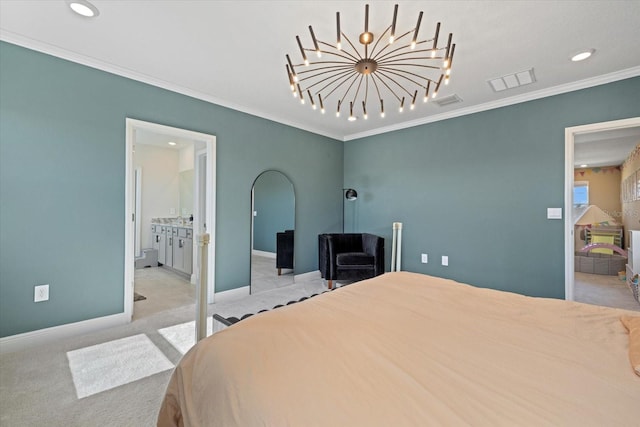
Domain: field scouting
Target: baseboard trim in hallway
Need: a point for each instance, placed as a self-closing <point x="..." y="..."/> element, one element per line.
<point x="26" y="340"/>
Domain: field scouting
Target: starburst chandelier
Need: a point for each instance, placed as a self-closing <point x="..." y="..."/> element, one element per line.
<point x="393" y="65"/>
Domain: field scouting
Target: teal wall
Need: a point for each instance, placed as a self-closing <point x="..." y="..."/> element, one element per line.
<point x="476" y="188"/>
<point x="274" y="202"/>
<point x="62" y="173"/>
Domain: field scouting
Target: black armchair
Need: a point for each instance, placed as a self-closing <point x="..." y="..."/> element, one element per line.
<point x="284" y="250"/>
<point x="351" y="256"/>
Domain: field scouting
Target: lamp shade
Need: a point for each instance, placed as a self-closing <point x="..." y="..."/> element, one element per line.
<point x="351" y="194"/>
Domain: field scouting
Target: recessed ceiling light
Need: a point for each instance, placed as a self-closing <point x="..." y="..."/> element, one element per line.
<point x="583" y="166"/>
<point x="172" y="143"/>
<point x="581" y="56"/>
<point x="84" y="8"/>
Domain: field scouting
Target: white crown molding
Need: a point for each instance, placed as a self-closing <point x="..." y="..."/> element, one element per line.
<point x="543" y="93"/>
<point x="56" y="51"/>
<point x="19" y="40"/>
<point x="39" y="337"/>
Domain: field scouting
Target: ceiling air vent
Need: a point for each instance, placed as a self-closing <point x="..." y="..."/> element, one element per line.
<point x="447" y="100"/>
<point x="511" y="81"/>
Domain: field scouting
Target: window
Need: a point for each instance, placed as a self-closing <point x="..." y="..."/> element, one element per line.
<point x="581" y="193"/>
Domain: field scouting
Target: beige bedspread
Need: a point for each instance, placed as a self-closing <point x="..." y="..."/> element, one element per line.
<point x="406" y="349"/>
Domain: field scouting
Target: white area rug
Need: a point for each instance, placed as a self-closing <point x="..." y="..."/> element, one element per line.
<point x="183" y="336"/>
<point x="105" y="366"/>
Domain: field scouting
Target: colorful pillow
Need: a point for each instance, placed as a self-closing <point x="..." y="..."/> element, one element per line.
<point x="597" y="238"/>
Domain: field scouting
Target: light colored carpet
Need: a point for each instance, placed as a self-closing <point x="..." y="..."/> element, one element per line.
<point x="604" y="290"/>
<point x="264" y="274"/>
<point x="37" y="387"/>
<point x="101" y="367"/>
<point x="183" y="336"/>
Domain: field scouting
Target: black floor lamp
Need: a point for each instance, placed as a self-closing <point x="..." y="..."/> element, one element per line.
<point x="349" y="194"/>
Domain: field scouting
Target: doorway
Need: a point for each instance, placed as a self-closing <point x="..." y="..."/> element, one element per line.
<point x="571" y="134"/>
<point x="202" y="206"/>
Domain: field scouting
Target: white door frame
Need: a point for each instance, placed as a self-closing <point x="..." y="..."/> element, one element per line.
<point x="129" y="257"/>
<point x="138" y="210"/>
<point x="569" y="144"/>
<point x="200" y="196"/>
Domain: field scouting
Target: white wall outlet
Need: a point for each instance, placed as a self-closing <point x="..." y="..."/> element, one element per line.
<point x="41" y="293"/>
<point x="425" y="258"/>
<point x="172" y="211"/>
<point x="445" y="260"/>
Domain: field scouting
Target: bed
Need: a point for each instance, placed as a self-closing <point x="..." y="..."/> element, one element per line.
<point x="406" y="349"/>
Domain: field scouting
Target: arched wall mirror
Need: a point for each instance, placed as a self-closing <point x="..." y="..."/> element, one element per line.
<point x="273" y="208"/>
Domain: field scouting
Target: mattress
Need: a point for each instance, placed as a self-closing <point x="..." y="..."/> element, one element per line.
<point x="406" y="349"/>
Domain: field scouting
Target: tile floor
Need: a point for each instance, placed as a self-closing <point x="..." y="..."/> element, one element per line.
<point x="163" y="289"/>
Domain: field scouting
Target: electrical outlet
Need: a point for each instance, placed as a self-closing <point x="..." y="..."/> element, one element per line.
<point x="425" y="258"/>
<point x="445" y="260"/>
<point x="41" y="293"/>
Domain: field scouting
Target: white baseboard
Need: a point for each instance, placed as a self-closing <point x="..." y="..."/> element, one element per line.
<point x="263" y="253"/>
<point x="26" y="340"/>
<point x="232" y="294"/>
<point x="307" y="276"/>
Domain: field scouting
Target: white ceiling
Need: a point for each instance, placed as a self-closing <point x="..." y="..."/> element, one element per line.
<point x="605" y="148"/>
<point x="160" y="140"/>
<point x="233" y="52"/>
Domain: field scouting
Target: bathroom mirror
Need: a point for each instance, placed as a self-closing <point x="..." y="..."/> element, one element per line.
<point x="272" y="231"/>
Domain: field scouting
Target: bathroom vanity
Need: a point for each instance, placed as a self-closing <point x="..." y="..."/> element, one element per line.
<point x="174" y="243"/>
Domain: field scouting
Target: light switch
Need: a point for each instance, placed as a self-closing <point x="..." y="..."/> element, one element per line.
<point x="445" y="260"/>
<point x="554" y="213"/>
